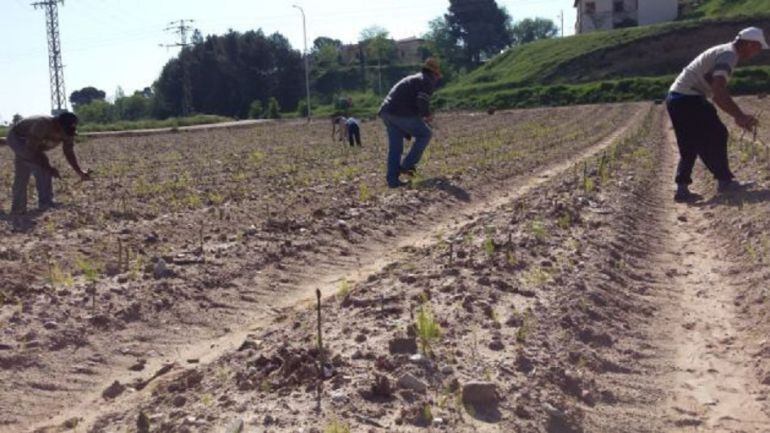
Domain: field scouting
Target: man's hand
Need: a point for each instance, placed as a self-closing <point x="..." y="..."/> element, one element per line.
<point x="429" y="119"/>
<point x="746" y="121"/>
<point x="54" y="172"/>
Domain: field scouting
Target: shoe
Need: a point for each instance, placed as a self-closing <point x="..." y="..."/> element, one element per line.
<point x="400" y="184"/>
<point x="733" y="186"/>
<point x="49" y="206"/>
<point x="411" y="172"/>
<point x="683" y="194"/>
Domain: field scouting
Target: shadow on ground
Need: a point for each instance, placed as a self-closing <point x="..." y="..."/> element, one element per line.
<point x="738" y="198"/>
<point x="444" y="184"/>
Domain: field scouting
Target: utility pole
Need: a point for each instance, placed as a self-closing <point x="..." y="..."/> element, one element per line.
<point x="561" y="16"/>
<point x="182" y="28"/>
<point x="307" y="69"/>
<point x="55" y="66"/>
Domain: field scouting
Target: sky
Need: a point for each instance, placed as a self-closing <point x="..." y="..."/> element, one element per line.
<point x="117" y="43"/>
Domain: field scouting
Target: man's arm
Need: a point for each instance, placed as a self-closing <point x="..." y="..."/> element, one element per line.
<point x="424" y="91"/>
<point x="69" y="153"/>
<point x="723" y="99"/>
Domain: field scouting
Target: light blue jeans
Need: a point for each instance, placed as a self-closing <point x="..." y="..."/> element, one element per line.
<point x="24" y="168"/>
<point x="398" y="128"/>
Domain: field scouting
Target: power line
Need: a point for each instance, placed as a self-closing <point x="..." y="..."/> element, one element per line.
<point x="55" y="66"/>
<point x="181" y="28"/>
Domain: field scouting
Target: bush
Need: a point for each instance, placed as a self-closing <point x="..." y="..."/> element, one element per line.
<point x="273" y="109"/>
<point x="302" y="108"/>
<point x="256" y="111"/>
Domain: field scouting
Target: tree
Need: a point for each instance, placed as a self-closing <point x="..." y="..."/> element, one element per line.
<point x="273" y="109"/>
<point x="16" y="119"/>
<point x="530" y="30"/>
<point x="86" y="95"/>
<point x="444" y="45"/>
<point x="378" y="46"/>
<point x="323" y="41"/>
<point x="197" y="37"/>
<point x="481" y="26"/>
<point x="228" y="72"/>
<point x="255" y="110"/>
<point x="98" y="111"/>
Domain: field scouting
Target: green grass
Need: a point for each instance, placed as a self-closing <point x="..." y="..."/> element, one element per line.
<point x="726" y="8"/>
<point x="365" y="104"/>
<point x="746" y="81"/>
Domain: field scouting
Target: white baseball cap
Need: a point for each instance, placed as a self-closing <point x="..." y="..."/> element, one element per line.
<point x="753" y="34"/>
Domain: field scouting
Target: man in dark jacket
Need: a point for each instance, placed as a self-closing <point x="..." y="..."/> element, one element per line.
<point x="406" y="112"/>
<point x="29" y="140"/>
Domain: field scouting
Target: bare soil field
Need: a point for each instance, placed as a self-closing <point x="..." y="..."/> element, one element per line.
<point x="536" y="277"/>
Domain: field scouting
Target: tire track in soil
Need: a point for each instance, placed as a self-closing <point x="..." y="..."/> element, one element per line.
<point x="712" y="385"/>
<point x="327" y="278"/>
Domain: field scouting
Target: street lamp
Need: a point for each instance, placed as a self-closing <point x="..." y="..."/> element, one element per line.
<point x="307" y="70"/>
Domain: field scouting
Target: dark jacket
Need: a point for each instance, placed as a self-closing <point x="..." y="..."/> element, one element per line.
<point x="410" y="97"/>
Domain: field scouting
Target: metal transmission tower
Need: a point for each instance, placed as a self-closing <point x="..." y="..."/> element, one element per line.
<point x="182" y="28"/>
<point x="58" y="94"/>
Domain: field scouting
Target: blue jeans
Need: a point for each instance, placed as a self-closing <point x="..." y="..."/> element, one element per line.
<point x="398" y="128"/>
<point x="24" y="168"/>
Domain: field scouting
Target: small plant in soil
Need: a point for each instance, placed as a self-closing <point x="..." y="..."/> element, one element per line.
<point x="428" y="329"/>
<point x="564" y="221"/>
<point x="364" y="194"/>
<point x="344" y="289"/>
<point x="489" y="246"/>
<point x="539" y="230"/>
<point x="336" y="426"/>
<point x="58" y="277"/>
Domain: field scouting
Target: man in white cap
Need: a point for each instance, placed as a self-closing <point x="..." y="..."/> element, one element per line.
<point x="699" y="132"/>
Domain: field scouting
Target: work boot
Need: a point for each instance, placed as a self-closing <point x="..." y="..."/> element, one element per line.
<point x="399" y="184"/>
<point x="732" y="185"/>
<point x="683" y="194"/>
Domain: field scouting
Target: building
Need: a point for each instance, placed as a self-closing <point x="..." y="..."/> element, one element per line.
<point x="595" y="15"/>
<point x="407" y="52"/>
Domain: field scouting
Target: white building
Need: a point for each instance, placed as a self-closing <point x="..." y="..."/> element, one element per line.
<point x="612" y="14"/>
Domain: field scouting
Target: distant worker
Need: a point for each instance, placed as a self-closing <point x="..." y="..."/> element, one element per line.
<point x="699" y="132"/>
<point x="30" y="139"/>
<point x="406" y="112"/>
<point x="354" y="131"/>
<point x="339" y="128"/>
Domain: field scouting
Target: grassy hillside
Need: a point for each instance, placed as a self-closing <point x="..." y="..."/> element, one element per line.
<point x="726" y="8"/>
<point x="654" y="52"/>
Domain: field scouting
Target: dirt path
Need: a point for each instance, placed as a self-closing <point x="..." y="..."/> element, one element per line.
<point x="355" y="268"/>
<point x="712" y="385"/>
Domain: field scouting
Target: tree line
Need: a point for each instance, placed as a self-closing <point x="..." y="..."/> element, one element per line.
<point x="251" y="74"/>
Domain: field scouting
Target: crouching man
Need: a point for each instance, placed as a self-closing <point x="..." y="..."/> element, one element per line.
<point x="30" y="139"/>
<point x="699" y="132"/>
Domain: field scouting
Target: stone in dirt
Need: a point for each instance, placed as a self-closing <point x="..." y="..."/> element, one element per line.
<point x="480" y="393"/>
<point x="113" y="390"/>
<point x="402" y="345"/>
<point x="381" y="386"/>
<point x="235" y="426"/>
<point x="409" y="381"/>
<point x="161" y="270"/>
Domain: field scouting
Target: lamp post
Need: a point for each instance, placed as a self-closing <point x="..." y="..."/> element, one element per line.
<point x="307" y="70"/>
